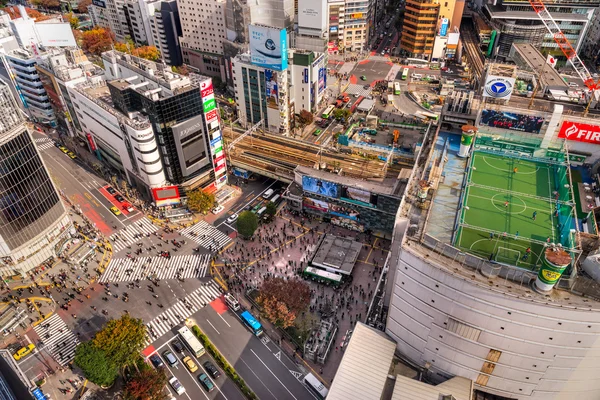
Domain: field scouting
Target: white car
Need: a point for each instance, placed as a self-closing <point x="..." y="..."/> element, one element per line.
<point x="232" y="218"/>
<point x="177" y="387"/>
<point x="417" y="76"/>
<point x="217" y="209"/>
<point x="573" y="84"/>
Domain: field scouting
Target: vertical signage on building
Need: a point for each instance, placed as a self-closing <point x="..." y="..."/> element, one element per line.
<point x="211" y="116"/>
<point x="444" y="27"/>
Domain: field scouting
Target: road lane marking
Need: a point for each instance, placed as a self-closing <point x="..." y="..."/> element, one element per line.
<point x="281" y="383"/>
<point x="192" y="376"/>
<point x="213" y="326"/>
<point x="260" y="380"/>
<point x="220" y="316"/>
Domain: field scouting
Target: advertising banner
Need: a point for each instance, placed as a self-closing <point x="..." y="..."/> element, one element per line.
<point x="444" y="27"/>
<point x="358" y="196"/>
<point x="333" y="29"/>
<point x="211" y="116"/>
<point x="322" y="74"/>
<point x="268" y="47"/>
<point x="99" y="3"/>
<point x="511" y="121"/>
<point x="579" y="132"/>
<point x="344" y="212"/>
<point x="314" y="185"/>
<point x="206" y="88"/>
<point x="55" y="34"/>
<point x="91" y="142"/>
<point x="209" y="105"/>
<point x="216" y="142"/>
<point x="498" y="87"/>
<point x="332" y="47"/>
<point x="271" y="89"/>
<point x="315" y="204"/>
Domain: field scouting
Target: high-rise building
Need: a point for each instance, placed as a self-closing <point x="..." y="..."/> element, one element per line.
<point x="203" y="33"/>
<point x="357" y="19"/>
<point x="25" y="77"/>
<point x="112" y="16"/>
<point x="275" y="96"/>
<point x="335" y="16"/>
<point x="516" y="22"/>
<point x="419" y="27"/>
<point x="312" y="26"/>
<point x="33" y="220"/>
<point x="137" y="15"/>
<point x="590" y="48"/>
<point x="153" y="125"/>
<point x="165" y="26"/>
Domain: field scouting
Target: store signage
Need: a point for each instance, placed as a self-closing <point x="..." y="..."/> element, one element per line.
<point x="498" y="87"/>
<point x="211" y="116"/>
<point x="209" y="105"/>
<point x="207" y="92"/>
<point x="99" y="3"/>
<point x="579" y="132"/>
<point x="91" y="142"/>
<point x="216" y="142"/>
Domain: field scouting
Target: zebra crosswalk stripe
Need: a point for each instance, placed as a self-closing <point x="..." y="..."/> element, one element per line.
<point x="178" y="312"/>
<point x="128" y="269"/>
<point x="131" y="234"/>
<point x="206" y="235"/>
<point x="61" y="343"/>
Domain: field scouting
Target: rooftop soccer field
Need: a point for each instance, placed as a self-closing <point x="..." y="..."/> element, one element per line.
<point x="510" y="205"/>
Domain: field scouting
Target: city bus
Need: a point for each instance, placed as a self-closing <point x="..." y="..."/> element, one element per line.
<point x="191" y="341"/>
<point x="404" y="74"/>
<point x="322" y="276"/>
<point x="316" y="386"/>
<point x="327" y="113"/>
<point x="251" y="323"/>
<point x="396" y="87"/>
<point x="416" y="62"/>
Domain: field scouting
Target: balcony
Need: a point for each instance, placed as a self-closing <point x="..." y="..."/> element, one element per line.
<point x="28" y="83"/>
<point x="25" y="68"/>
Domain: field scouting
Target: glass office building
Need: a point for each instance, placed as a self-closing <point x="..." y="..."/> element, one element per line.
<point x="33" y="219"/>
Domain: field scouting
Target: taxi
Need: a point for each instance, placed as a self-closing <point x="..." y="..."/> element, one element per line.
<point x="115" y="210"/>
<point x="23" y="351"/>
<point x="71" y="155"/>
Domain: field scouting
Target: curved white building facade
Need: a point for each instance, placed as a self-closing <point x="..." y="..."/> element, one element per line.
<point x="510" y="340"/>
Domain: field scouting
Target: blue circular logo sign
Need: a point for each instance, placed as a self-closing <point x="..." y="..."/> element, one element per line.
<point x="270" y="44"/>
<point x="498" y="88"/>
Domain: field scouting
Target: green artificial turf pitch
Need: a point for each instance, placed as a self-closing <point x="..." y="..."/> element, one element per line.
<point x="491" y="183"/>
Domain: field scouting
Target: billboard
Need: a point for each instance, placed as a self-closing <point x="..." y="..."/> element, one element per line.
<point x="579" y="132"/>
<point x="206" y="88"/>
<point x="268" y="47"/>
<point x="211" y="116"/>
<point x="453" y="38"/>
<point x="209" y="105"/>
<point x="358" y="196"/>
<point x="315" y="185"/>
<point x="332" y="46"/>
<point x="271" y="89"/>
<point x="498" y="87"/>
<point x="188" y="127"/>
<point x="444" y="27"/>
<point x="322" y="79"/>
<point x="511" y="121"/>
<point x="312" y="14"/>
<point x="344" y="212"/>
<point x="166" y="196"/>
<point x="315" y="204"/>
<point x="333" y="29"/>
<point x="55" y="34"/>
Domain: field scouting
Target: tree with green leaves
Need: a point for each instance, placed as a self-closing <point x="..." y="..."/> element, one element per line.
<point x="271" y="209"/>
<point x="94" y="363"/>
<point x="122" y="339"/>
<point x="199" y="201"/>
<point x="147" y="384"/>
<point x="341" y="113"/>
<point x="247" y="223"/>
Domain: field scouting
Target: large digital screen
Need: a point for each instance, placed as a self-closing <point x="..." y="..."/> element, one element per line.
<point x="55" y="34"/>
<point x="358" y="196"/>
<point x="344" y="212"/>
<point x="166" y="196"/>
<point x="315" y="204"/>
<point x="268" y="47"/>
<point x="271" y="89"/>
<point x="314" y="185"/>
<point x="511" y="121"/>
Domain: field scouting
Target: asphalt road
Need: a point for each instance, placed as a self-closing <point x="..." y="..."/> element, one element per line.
<point x="225" y="388"/>
<point x="262" y="363"/>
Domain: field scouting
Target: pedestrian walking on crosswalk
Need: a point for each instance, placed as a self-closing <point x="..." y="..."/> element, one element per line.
<point x="132" y="233"/>
<point x="174" y="267"/>
<point x="57" y="339"/>
<point x="206" y="236"/>
<point x="178" y="312"/>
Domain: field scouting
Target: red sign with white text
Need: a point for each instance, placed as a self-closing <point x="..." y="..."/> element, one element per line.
<point x="579" y="132"/>
<point x="207" y="92"/>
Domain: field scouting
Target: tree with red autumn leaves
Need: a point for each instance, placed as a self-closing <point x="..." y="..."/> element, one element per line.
<point x="147" y="384"/>
<point x="282" y="300"/>
<point x="14" y="13"/>
<point x="97" y="41"/>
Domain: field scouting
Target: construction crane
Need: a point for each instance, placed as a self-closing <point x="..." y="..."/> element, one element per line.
<point x="565" y="46"/>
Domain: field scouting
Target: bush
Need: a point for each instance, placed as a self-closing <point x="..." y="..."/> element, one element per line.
<point x="212" y="350"/>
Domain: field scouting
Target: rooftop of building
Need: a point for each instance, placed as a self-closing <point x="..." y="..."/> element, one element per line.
<point x="432" y="234"/>
<point x="500" y="12"/>
<point x="369" y="371"/>
<point x="338" y="253"/>
<point x="536" y="62"/>
<point x="100" y="95"/>
<point x="161" y="74"/>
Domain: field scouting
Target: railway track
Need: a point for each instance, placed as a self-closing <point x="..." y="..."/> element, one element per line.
<point x="474" y="56"/>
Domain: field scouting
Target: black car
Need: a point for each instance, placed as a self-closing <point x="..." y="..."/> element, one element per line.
<point x="119" y="198"/>
<point x="178" y="346"/>
<point x="156" y="361"/>
<point x="111" y="190"/>
<point x="57" y="144"/>
<point x="211" y="369"/>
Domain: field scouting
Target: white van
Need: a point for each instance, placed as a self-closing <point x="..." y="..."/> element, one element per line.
<point x="261" y="212"/>
<point x="268" y="193"/>
<point x="232" y="302"/>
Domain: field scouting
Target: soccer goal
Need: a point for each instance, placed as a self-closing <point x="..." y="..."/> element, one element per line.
<point x="508" y="256"/>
